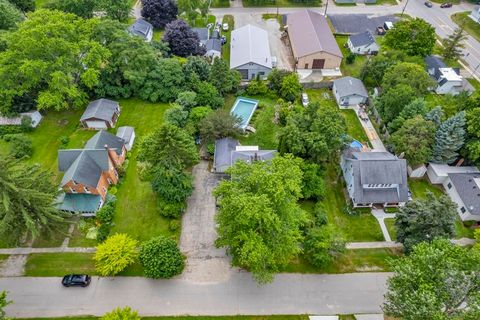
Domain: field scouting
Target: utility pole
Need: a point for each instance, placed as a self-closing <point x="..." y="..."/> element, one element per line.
<point x="404" y="7"/>
<point x="326" y="7"/>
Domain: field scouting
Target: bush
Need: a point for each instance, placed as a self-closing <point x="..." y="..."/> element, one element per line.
<point x="107" y="212"/>
<point x="20" y="145"/>
<point x="103" y="231"/>
<point x="313" y="186"/>
<point x="161" y="258"/>
<point x="171" y="209"/>
<point x="257" y="87"/>
<point x="121" y="170"/>
<point x="4" y="130"/>
<point x="174" y="225"/>
<point x="121" y="314"/>
<point x="351" y="58"/>
<point x="320" y="215"/>
<point x="322" y="244"/>
<point x="64" y="140"/>
<point x="115" y="254"/>
<point x="176" y="116"/>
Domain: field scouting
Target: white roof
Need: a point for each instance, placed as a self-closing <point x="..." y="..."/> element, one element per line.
<point x="246" y="148"/>
<point x="249" y="44"/>
<point x="450" y="74"/>
<point x="442" y="170"/>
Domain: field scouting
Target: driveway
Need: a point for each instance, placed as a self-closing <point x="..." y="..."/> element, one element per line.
<point x="205" y="263"/>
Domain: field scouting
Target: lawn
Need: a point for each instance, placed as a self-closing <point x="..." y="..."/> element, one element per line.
<point x="419" y="188"/>
<point x="354" y="127"/>
<point x="280" y="3"/>
<point x="201" y="22"/>
<point x="390" y="223"/>
<point x="354" y="69"/>
<point x="220" y="4"/>
<point x="361" y="260"/>
<point x="470" y="26"/>
<point x="53" y="238"/>
<point x="322" y="96"/>
<point x="59" y="264"/>
<point x="228" y="18"/>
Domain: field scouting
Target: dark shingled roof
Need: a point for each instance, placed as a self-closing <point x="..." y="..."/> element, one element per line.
<point x="468" y="190"/>
<point x="348" y="86"/>
<point x="202" y="33"/>
<point x="434" y="62"/>
<point x="223" y="150"/>
<point x="102" y="109"/>
<point x="140" y="28"/>
<point x="214" y="44"/>
<point x="362" y="39"/>
<point x="83" y="166"/>
<point x="104" y="138"/>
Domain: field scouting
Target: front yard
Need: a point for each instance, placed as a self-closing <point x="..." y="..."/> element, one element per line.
<point x="470" y="26"/>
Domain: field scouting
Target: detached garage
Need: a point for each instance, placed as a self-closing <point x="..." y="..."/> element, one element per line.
<point x="349" y="91"/>
<point x="101" y="114"/>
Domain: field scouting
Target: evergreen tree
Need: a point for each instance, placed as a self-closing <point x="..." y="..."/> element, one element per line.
<point x="452" y="46"/>
<point x="449" y="138"/>
<point x="435" y="115"/>
<point x="414" y="108"/>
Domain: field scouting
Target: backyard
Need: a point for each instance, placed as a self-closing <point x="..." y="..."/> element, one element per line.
<point x="353" y="69"/>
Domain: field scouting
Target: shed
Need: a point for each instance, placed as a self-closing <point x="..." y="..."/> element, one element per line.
<point x="213" y="48"/>
<point x="363" y="43"/>
<point x="349" y="91"/>
<point x="128" y="135"/>
<point x="34" y="116"/>
<point x="143" y="29"/>
<point x="101" y="114"/>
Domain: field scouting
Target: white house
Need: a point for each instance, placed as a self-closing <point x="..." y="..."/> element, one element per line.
<point x="143" y="29"/>
<point x="127" y="134"/>
<point x="449" y="80"/>
<point x="213" y="48"/>
<point x="363" y="43"/>
<point x="349" y="91"/>
<point x="462" y="184"/>
<point x="475" y="15"/>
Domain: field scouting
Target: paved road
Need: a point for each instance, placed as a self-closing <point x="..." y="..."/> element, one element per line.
<point x="288" y="294"/>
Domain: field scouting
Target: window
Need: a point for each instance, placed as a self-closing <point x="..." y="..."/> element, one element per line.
<point x="449" y="185"/>
<point x="261" y="73"/>
<point x="104" y="190"/>
<point x="74" y="183"/>
<point x="86" y="190"/>
<point x="463" y="209"/>
<point x="73" y="190"/>
<point x="109" y="181"/>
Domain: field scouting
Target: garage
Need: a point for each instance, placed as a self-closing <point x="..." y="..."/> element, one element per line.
<point x="95" y="124"/>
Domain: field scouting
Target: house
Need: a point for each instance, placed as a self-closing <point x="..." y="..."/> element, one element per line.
<point x="34" y="116"/>
<point x="462" y="184"/>
<point x="127" y="134"/>
<point x="228" y="151"/>
<point x="363" y="43"/>
<point x="89" y="172"/>
<point x="143" y="29"/>
<point x="100" y="114"/>
<point x="349" y="91"/>
<point x="374" y="178"/>
<point x="203" y="35"/>
<point x="475" y="14"/>
<point x="449" y="80"/>
<point x="250" y="52"/>
<point x="312" y="41"/>
<point x="213" y="48"/>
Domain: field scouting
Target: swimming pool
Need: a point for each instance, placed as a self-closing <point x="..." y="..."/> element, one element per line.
<point x="356" y="144"/>
<point x="244" y="108"/>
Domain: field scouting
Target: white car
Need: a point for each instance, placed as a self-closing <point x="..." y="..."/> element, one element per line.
<point x="305" y="99"/>
<point x="225" y="27"/>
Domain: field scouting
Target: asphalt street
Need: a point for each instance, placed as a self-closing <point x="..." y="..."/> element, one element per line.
<point x="288" y="294"/>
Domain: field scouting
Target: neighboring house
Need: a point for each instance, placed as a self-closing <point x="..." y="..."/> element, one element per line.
<point x="100" y="114"/>
<point x="250" y="52"/>
<point x="312" y="41"/>
<point x="462" y="184"/>
<point x="213" y="48"/>
<point x="349" y="91"/>
<point x="363" y="43"/>
<point x="89" y="172"/>
<point x="375" y="178"/>
<point x="449" y="80"/>
<point x="228" y="151"/>
<point x="475" y="15"/>
<point x="203" y="35"/>
<point x="35" y="118"/>
<point x="127" y="134"/>
<point x="143" y="29"/>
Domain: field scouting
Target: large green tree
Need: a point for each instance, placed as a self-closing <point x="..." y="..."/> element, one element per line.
<point x="391" y="103"/>
<point x="316" y="133"/>
<point x="453" y="44"/>
<point x="473" y="134"/>
<point x="9" y="15"/>
<point x="425" y="219"/>
<point x="449" y="138"/>
<point x="436" y="281"/>
<point x="414" y="36"/>
<point x="219" y="124"/>
<point x="410" y="74"/>
<point x="414" y="139"/>
<point x="258" y="218"/>
<point x="82" y="8"/>
<point x="223" y="78"/>
<point x="27" y="200"/>
<point x="117" y="9"/>
<point x="414" y="108"/>
<point x="164" y="82"/>
<point x="53" y="57"/>
<point x="172" y="183"/>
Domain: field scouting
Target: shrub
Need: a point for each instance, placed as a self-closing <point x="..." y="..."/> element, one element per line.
<point x="176" y="116"/>
<point x="113" y="190"/>
<point x="257" y="87"/>
<point x="106" y="213"/>
<point x="171" y="209"/>
<point x="161" y="258"/>
<point x="322" y="244"/>
<point x="351" y="58"/>
<point x="320" y="215"/>
<point x="121" y="170"/>
<point x="5" y="130"/>
<point x="64" y="140"/>
<point x="20" y="145"/>
<point x="103" y="231"/>
<point x="121" y="314"/>
<point x="174" y="225"/>
<point x="115" y="254"/>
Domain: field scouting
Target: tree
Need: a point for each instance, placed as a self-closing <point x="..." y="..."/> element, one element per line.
<point x="182" y="40"/>
<point x="20" y="145"/>
<point x="195" y="118"/>
<point x="315" y="133"/>
<point x="27" y="200"/>
<point x="53" y="57"/>
<point x="117" y="9"/>
<point x="322" y="244"/>
<point x="453" y="44"/>
<point x="187" y="99"/>
<point x="172" y="183"/>
<point x="163" y="82"/>
<point x="473" y="134"/>
<point x="291" y="87"/>
<point x="391" y="102"/>
<point x="24" y="5"/>
<point x="189" y="9"/>
<point x="197" y="66"/>
<point x="275" y="78"/>
<point x="159" y="12"/>
<point x="426" y="219"/>
<point x="121" y="314"/>
<point x="377" y="66"/>
<point x="168" y="145"/>
<point x="219" y="124"/>
<point x="256" y="87"/>
<point x="208" y="95"/>
<point x="161" y="258"/>
<point x="414" y="108"/>
<point x="435" y="282"/>
<point x="409" y="74"/>
<point x="3" y="303"/>
<point x="223" y="78"/>
<point x="435" y="115"/>
<point x="176" y="116"/>
<point x="449" y="138"/>
<point x="414" y="139"/>
<point x="115" y="254"/>
<point x="9" y="15"/>
<point x="258" y="218"/>
<point x="82" y="8"/>
<point x="414" y="36"/>
<point x="313" y="186"/>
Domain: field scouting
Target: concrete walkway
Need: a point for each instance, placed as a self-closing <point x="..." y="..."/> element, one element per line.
<point x="381" y="215"/>
<point x="375" y="141"/>
<point x="373" y="245"/>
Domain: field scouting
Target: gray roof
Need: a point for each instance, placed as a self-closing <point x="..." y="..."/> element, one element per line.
<point x="203" y="33"/>
<point x="223" y="149"/>
<point x="434" y="62"/>
<point x="362" y="39"/>
<point x="251" y="156"/>
<point x="125" y="133"/>
<point x="348" y="86"/>
<point x="378" y="168"/>
<point x="83" y="166"/>
<point x="249" y="44"/>
<point x="214" y="44"/>
<point x="102" y="109"/>
<point x="104" y="138"/>
<point x="468" y="190"/>
<point x="140" y="28"/>
<point x="310" y="33"/>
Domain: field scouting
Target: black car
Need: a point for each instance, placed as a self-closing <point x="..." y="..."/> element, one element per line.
<point x="446" y="5"/>
<point x="76" y="280"/>
<point x="428" y="4"/>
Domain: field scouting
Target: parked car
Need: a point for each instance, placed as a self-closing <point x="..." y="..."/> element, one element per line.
<point x="305" y="99"/>
<point x="76" y="280"/>
<point x="380" y="31"/>
<point x="446" y="5"/>
<point x="428" y="4"/>
<point x="224" y="40"/>
<point x="225" y="26"/>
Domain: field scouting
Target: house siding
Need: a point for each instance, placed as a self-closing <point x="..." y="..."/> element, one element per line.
<point x="363" y="50"/>
<point x="253" y="70"/>
<point x="352" y="99"/>
<point x="331" y="61"/>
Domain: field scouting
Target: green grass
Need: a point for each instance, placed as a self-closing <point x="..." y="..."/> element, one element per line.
<point x="390" y="223"/>
<point x="475" y="83"/>
<point x="59" y="264"/>
<point x="354" y="127"/>
<point x="317" y="95"/>
<point x="355" y="68"/>
<point x="228" y="18"/>
<point x="158" y="35"/>
<point x="280" y="3"/>
<point x="3" y="257"/>
<point x="270" y="317"/>
<point x="383" y="3"/>
<point x="78" y="239"/>
<point x="220" y="4"/>
<point x="419" y="188"/>
<point x="462" y="231"/>
<point x="53" y="238"/>
<point x="470" y="26"/>
<point x="201" y="22"/>
<point x="361" y="260"/>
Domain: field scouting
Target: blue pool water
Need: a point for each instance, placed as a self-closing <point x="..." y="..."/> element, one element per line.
<point x="356" y="144"/>
<point x="244" y="108"/>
